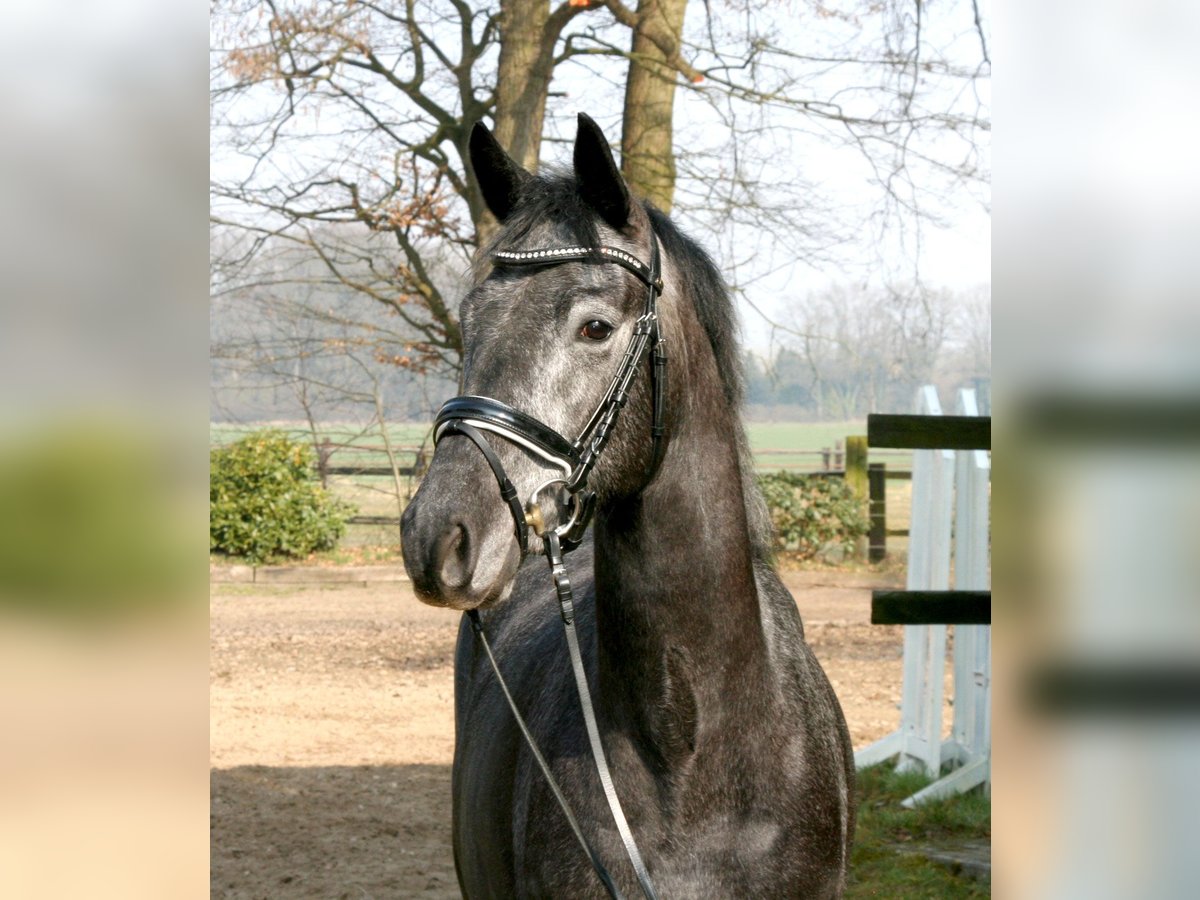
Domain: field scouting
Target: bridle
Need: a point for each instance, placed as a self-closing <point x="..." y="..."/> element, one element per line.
<point x="470" y="416"/>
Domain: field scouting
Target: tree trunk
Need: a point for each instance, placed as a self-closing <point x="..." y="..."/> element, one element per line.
<point x="523" y="79"/>
<point x="647" y="140"/>
<point x="529" y="33"/>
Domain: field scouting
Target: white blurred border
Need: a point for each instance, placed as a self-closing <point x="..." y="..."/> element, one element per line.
<point x="103" y="319"/>
<point x="1097" y="488"/>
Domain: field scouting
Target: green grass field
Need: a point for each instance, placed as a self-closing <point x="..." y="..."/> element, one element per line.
<point x="400" y="433"/>
<point x="801" y="435"/>
<point x="797" y="445"/>
<point x="777" y="445"/>
<point x="795" y="435"/>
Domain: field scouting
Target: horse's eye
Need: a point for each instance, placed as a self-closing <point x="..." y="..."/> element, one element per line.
<point x="596" y="330"/>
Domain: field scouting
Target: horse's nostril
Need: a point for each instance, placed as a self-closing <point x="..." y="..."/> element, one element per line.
<point x="456" y="557"/>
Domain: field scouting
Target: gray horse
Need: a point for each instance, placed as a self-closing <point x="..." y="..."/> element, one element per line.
<point x="726" y="742"/>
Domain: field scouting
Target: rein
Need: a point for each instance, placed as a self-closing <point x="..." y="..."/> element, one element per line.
<point x="470" y="416"/>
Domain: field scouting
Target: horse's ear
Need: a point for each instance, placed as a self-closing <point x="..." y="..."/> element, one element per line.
<point x="500" y="178"/>
<point x="599" y="179"/>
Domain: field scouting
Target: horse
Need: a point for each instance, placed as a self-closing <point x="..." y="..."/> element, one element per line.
<point x="726" y="743"/>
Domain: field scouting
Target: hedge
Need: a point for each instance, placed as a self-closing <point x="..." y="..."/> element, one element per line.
<point x="813" y="515"/>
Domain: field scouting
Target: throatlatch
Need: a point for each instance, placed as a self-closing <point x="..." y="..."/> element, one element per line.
<point x="470" y="416"/>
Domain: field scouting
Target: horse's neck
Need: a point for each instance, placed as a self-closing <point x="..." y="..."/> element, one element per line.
<point x="677" y="609"/>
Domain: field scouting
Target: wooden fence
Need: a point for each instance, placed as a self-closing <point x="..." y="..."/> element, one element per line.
<point x="327" y="448"/>
<point x="846" y="460"/>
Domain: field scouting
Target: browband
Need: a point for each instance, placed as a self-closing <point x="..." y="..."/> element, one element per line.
<point x="602" y="254"/>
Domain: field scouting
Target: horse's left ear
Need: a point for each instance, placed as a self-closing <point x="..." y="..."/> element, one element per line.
<point x="599" y="179"/>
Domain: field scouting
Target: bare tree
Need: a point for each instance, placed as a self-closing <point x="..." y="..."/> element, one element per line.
<point x="967" y="358"/>
<point x="344" y="127"/>
<point x="898" y="87"/>
<point x="281" y="344"/>
<point x="866" y="349"/>
<point x="655" y="65"/>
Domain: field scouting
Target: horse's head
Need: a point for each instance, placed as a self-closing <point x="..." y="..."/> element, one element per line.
<point x="545" y="340"/>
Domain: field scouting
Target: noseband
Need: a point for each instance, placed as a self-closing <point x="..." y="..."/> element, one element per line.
<point x="471" y="416"/>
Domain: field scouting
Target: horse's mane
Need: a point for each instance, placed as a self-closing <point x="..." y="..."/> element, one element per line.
<point x="715" y="310"/>
<point x="714" y="306"/>
<point x="555" y="198"/>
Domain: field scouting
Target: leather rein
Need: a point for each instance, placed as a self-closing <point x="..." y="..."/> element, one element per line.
<point x="470" y="416"/>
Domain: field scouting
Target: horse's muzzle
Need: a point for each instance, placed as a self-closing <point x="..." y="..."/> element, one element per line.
<point x="457" y="542"/>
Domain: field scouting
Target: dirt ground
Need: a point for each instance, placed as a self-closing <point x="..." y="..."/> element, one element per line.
<point x="331" y="732"/>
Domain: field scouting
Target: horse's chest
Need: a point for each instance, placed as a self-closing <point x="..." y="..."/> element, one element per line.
<point x="718" y="858"/>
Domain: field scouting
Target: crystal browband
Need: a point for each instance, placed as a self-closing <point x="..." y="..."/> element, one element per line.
<point x="580" y="254"/>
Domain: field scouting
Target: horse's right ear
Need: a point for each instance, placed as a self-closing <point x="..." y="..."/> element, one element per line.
<point x="500" y="179"/>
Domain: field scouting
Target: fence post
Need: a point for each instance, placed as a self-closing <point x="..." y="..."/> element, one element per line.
<point x="856" y="480"/>
<point x="324" y="451"/>
<point x="838" y="461"/>
<point x="877" y="538"/>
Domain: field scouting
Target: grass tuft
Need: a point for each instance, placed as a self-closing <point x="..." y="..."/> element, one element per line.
<point x="879" y="867"/>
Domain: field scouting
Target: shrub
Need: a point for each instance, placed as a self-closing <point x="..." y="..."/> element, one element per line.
<point x="812" y="514"/>
<point x="264" y="500"/>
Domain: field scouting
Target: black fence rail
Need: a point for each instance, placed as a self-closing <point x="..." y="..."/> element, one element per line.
<point x="930" y="433"/>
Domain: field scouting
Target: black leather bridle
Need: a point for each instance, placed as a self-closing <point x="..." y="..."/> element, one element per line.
<point x="470" y="416"/>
